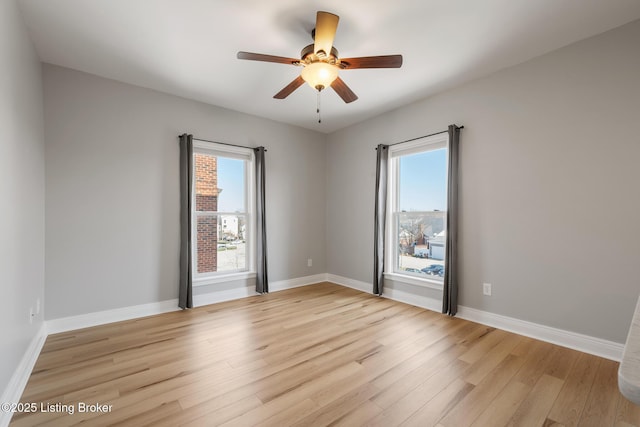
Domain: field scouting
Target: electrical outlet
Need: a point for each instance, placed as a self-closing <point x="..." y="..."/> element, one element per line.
<point x="38" y="306"/>
<point x="309" y="262"/>
<point x="486" y="289"/>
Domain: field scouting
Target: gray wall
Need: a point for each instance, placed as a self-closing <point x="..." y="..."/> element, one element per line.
<point x="112" y="201"/>
<point x="21" y="189"/>
<point x="550" y="195"/>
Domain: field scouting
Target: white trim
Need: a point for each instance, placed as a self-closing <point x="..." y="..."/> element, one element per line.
<point x="247" y="291"/>
<point x="222" y="296"/>
<point x="221" y="149"/>
<point x="394" y="294"/>
<point x="223" y="278"/>
<point x="350" y="283"/>
<point x="297" y="282"/>
<point x="81" y="321"/>
<point x="413" y="299"/>
<point x="415" y="281"/>
<point x="18" y="381"/>
<point x="427" y="143"/>
<point x="585" y="343"/>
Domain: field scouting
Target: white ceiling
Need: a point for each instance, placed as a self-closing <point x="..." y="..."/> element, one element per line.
<point x="188" y="47"/>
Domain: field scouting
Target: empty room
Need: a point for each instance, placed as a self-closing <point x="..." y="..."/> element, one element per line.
<point x="319" y="213"/>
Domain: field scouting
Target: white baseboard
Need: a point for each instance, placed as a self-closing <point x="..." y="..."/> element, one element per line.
<point x="247" y="291"/>
<point x="281" y="285"/>
<point x="222" y="296"/>
<point x="350" y="283"/>
<point x="81" y="321"/>
<point x="18" y="381"/>
<point x="413" y="299"/>
<point x="394" y="294"/>
<point x="587" y="344"/>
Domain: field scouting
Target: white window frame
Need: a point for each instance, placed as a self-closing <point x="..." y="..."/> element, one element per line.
<point x="241" y="153"/>
<point x="420" y="145"/>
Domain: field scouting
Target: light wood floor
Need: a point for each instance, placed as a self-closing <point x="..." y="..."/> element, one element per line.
<point x="319" y="355"/>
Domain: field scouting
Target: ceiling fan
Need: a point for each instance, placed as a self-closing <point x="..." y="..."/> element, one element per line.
<point x="321" y="63"/>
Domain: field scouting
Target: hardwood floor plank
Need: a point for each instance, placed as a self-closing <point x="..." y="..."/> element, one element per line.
<point x="533" y="411"/>
<point x="211" y="406"/>
<point x="486" y="343"/>
<point x="537" y="362"/>
<point x="492" y="358"/>
<point x="627" y="413"/>
<point x="284" y="410"/>
<point x="502" y="408"/>
<point x="600" y="408"/>
<point x="569" y="405"/>
<point x="418" y="365"/>
<point x="226" y="413"/>
<point x="439" y="406"/>
<point x="289" y="415"/>
<point x="338" y="408"/>
<point x="411" y="381"/>
<point x="473" y="404"/>
<point x="358" y="416"/>
<point x="562" y="362"/>
<point x="285" y="380"/>
<point x="411" y="402"/>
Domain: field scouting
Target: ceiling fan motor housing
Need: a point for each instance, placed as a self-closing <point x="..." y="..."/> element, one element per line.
<point x="307" y="56"/>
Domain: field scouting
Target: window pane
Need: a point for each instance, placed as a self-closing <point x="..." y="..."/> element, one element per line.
<point x="421" y="243"/>
<point x="231" y="183"/>
<point x="207" y="240"/>
<point x="221" y="241"/>
<point x="220" y="183"/>
<point x="232" y="243"/>
<point x="423" y="181"/>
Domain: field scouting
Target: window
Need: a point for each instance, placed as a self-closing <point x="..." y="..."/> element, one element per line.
<point x="417" y="205"/>
<point x="222" y="211"/>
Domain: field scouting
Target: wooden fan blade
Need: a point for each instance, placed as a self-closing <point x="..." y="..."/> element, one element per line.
<point x="385" y="61"/>
<point x="343" y="90"/>
<point x="288" y="89"/>
<point x="267" y="58"/>
<point x="326" y="26"/>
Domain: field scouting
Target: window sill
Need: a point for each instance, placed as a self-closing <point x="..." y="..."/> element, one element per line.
<point x="415" y="281"/>
<point x="224" y="278"/>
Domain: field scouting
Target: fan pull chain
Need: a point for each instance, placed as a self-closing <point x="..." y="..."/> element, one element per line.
<point x="318" y="109"/>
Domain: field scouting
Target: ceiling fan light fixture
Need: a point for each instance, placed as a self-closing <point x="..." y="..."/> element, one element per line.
<point x="319" y="75"/>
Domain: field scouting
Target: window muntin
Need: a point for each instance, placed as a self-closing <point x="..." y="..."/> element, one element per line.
<point x="222" y="213"/>
<point x="417" y="206"/>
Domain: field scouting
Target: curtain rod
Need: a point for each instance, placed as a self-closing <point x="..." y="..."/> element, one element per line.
<point x="225" y="143"/>
<point x="420" y="137"/>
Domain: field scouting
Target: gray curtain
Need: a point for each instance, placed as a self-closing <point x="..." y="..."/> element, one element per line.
<point x="382" y="164"/>
<point x="450" y="289"/>
<point x="185" y="295"/>
<point x="262" y="282"/>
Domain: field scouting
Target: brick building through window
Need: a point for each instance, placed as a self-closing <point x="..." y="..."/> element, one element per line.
<point x="207" y="192"/>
